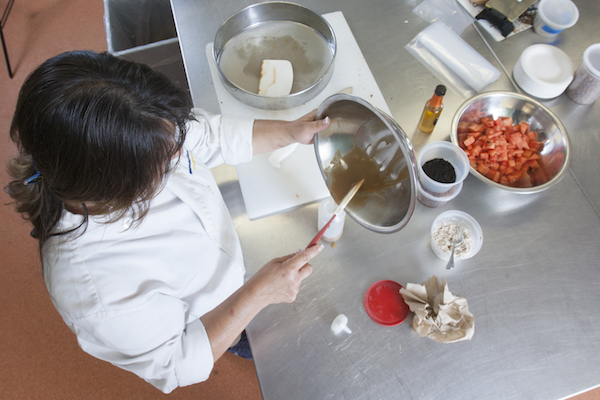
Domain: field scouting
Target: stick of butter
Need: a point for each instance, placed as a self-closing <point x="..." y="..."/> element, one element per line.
<point x="276" y="78"/>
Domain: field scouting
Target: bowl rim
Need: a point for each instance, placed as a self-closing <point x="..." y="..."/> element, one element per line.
<point x="405" y="147"/>
<point x="536" y="189"/>
<point x="325" y="76"/>
<point x="559" y="56"/>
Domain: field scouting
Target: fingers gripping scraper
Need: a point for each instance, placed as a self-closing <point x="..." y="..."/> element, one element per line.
<point x="276" y="79"/>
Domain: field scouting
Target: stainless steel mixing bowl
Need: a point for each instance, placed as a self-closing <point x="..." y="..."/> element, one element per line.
<point x="281" y="31"/>
<point x="355" y="122"/>
<point x="555" y="154"/>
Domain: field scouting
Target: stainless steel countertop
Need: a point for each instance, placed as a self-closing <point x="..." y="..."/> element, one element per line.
<point x="533" y="288"/>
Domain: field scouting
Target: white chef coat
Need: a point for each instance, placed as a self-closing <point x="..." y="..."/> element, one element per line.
<point x="133" y="293"/>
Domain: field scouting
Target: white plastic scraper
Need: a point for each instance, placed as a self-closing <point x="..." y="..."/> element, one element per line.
<point x="276" y="78"/>
<point x="279" y="155"/>
<point x="340" y="323"/>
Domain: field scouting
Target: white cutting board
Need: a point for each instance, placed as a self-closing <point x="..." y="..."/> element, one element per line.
<point x="267" y="190"/>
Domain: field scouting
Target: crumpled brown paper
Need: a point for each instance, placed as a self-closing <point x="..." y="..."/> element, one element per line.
<point x="439" y="314"/>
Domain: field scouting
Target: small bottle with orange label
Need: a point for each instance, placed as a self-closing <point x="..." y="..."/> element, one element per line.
<point x="433" y="109"/>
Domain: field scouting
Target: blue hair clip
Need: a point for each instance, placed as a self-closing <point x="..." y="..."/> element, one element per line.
<point x="33" y="178"/>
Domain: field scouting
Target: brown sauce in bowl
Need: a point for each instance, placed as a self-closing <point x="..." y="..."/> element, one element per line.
<point x="345" y="171"/>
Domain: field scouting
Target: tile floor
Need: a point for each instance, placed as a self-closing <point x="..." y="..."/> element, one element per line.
<point x="40" y="357"/>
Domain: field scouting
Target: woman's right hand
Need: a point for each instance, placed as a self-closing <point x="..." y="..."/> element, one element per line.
<point x="279" y="280"/>
<point x="276" y="282"/>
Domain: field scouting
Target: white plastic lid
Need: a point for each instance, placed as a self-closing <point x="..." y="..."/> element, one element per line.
<point x="544" y="71"/>
<point x="559" y="14"/>
<point x="591" y="59"/>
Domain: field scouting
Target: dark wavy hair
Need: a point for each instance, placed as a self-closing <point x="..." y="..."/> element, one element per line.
<point x="100" y="130"/>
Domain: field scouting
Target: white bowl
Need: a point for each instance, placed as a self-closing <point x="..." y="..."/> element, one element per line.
<point x="463" y="219"/>
<point x="543" y="71"/>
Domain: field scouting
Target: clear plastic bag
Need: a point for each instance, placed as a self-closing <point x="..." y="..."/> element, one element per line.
<point x="452" y="59"/>
<point x="447" y="11"/>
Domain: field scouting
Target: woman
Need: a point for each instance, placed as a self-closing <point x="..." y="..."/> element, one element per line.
<point x="140" y="256"/>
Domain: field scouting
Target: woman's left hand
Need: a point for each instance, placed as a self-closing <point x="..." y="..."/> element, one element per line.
<point x="303" y="129"/>
<point x="270" y="135"/>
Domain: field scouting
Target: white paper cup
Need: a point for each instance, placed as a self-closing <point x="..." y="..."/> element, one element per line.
<point x="446" y="151"/>
<point x="585" y="88"/>
<point x="554" y="16"/>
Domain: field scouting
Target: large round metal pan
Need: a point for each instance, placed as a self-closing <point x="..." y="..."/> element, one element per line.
<point x="281" y="31"/>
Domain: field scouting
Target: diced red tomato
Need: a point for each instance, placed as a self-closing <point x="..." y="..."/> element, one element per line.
<point x="533" y="164"/>
<point x="505" y="153"/>
<point x="483" y="169"/>
<point x="463" y="127"/>
<point x="524" y="128"/>
<point x="476" y="128"/>
<point x="535" y="145"/>
<point x="469" y="141"/>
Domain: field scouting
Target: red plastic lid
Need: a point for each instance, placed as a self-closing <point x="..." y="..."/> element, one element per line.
<point x="384" y="303"/>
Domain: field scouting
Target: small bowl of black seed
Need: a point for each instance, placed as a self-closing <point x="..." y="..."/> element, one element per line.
<point x="443" y="166"/>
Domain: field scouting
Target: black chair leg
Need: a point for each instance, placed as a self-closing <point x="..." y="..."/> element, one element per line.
<point x="10" y="74"/>
<point x="2" y="22"/>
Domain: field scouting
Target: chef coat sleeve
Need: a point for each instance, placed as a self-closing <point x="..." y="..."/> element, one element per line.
<point x="218" y="139"/>
<point x="152" y="340"/>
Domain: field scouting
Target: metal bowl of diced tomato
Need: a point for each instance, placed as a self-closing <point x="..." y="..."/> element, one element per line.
<point x="513" y="142"/>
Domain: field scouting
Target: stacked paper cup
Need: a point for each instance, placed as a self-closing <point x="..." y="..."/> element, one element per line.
<point x="585" y="88"/>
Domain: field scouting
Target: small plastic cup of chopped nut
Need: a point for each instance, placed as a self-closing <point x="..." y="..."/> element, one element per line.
<point x="443" y="230"/>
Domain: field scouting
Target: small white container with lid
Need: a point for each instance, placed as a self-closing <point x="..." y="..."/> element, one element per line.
<point x="554" y="16"/>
